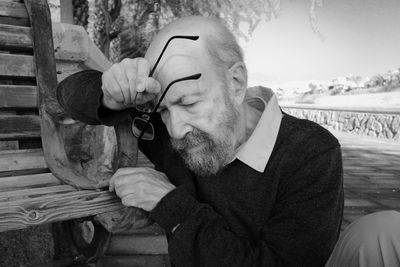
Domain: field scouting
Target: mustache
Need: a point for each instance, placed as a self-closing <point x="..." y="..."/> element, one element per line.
<point x="192" y="139"/>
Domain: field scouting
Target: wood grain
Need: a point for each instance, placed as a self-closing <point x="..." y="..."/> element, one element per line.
<point x="52" y="208"/>
<point x="28" y="181"/>
<point x="17" y="66"/>
<point x="12" y="160"/>
<point x="15" y="36"/>
<point x="14" y="21"/>
<point x="13" y="9"/>
<point x="19" y="126"/>
<point x="15" y="195"/>
<point x="18" y="96"/>
<point x="78" y="154"/>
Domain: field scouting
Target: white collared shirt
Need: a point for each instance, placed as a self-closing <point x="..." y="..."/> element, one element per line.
<point x="256" y="151"/>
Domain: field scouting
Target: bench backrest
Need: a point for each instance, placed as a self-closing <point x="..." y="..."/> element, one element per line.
<point x="20" y="143"/>
<point x="29" y="193"/>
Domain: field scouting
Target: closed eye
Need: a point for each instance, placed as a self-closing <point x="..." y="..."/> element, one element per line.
<point x="188" y="104"/>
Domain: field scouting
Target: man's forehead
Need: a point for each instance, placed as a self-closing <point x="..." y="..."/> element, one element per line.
<point x="192" y="26"/>
<point x="176" y="47"/>
<point x="175" y="66"/>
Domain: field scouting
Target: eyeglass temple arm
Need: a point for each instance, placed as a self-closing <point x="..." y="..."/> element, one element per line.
<point x="191" y="77"/>
<point x="166" y="45"/>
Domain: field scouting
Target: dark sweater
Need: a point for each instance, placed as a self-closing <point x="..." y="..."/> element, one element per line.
<point x="289" y="215"/>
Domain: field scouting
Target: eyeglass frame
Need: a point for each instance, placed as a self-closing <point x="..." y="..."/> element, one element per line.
<point x="146" y="116"/>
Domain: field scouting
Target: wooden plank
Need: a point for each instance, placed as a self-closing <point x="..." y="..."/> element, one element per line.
<point x="7" y="145"/>
<point x="19" y="135"/>
<point x="18" y="96"/>
<point x="19" y="126"/>
<point x="29" y="193"/>
<point x="28" y="181"/>
<point x="64" y="206"/>
<point x="15" y="36"/>
<point x="13" y="9"/>
<point x="14" y="21"/>
<point x="17" y="66"/>
<point x="12" y="160"/>
<point x="23" y="172"/>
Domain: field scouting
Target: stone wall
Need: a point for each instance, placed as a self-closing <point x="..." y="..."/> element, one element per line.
<point x="370" y="124"/>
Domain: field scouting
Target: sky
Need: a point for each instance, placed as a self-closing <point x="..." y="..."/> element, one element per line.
<point x="362" y="37"/>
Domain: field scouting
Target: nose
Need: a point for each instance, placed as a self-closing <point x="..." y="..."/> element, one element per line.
<point x="176" y="124"/>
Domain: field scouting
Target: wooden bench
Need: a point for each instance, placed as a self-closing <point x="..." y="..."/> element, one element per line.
<point x="53" y="168"/>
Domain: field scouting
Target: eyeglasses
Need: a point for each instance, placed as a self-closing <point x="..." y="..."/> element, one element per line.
<point x="141" y="126"/>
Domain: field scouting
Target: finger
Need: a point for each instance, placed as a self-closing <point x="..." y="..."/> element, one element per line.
<point x="117" y="176"/>
<point x="127" y="189"/>
<point x="152" y="85"/>
<point x="144" y="97"/>
<point x="111" y="89"/>
<point x="111" y="186"/>
<point x="128" y="170"/>
<point x="119" y="182"/>
<point x="151" y="89"/>
<point x="143" y="70"/>
<point x="129" y="201"/>
<point x="123" y="83"/>
<point x="131" y="73"/>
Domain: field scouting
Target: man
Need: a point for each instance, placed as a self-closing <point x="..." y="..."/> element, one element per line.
<point x="236" y="181"/>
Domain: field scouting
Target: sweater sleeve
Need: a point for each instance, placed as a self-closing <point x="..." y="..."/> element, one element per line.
<point x="301" y="232"/>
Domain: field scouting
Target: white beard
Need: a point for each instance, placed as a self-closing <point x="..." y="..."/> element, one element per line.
<point x="216" y="151"/>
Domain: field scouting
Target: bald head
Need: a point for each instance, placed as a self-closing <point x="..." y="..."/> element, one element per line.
<point x="215" y="39"/>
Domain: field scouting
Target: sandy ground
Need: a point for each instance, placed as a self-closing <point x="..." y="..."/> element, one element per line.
<point x="33" y="246"/>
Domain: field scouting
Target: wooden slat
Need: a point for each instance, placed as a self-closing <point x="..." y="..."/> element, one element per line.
<point x="19" y="126"/>
<point x="13" y="9"/>
<point x="23" y="172"/>
<point x="7" y="145"/>
<point x="17" y="66"/>
<point x="14" y="21"/>
<point x="18" y="96"/>
<point x="28" y="181"/>
<point x="30" y="193"/>
<point x="15" y="36"/>
<point x="14" y="160"/>
<point x="52" y="208"/>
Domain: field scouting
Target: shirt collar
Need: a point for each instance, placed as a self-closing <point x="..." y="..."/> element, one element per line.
<point x="256" y="151"/>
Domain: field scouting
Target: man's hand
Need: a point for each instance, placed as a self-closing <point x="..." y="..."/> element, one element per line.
<point x="140" y="187"/>
<point x="124" y="80"/>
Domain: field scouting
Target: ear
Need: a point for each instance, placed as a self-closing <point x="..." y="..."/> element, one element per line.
<point x="238" y="75"/>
